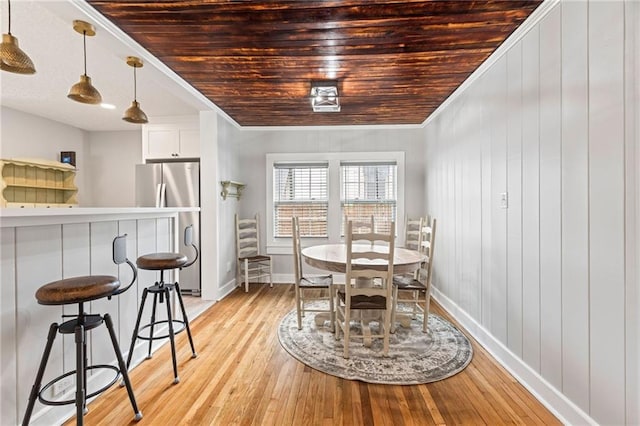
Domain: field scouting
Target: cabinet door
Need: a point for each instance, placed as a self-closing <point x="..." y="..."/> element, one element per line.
<point x="189" y="143"/>
<point x="162" y="143"/>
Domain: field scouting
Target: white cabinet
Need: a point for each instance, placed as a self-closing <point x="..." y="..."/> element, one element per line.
<point x="171" y="140"/>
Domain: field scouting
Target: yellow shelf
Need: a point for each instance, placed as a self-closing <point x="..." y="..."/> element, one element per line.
<point x="57" y="188"/>
<point x="37" y="183"/>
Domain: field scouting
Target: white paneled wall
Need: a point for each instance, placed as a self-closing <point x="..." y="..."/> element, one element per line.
<point x="32" y="256"/>
<point x="548" y="281"/>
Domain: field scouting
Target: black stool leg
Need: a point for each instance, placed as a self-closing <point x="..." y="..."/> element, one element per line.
<point x="85" y="410"/>
<point x="80" y="384"/>
<point x="136" y="328"/>
<point x="53" y="329"/>
<point x="123" y="368"/>
<point x="176" y="379"/>
<point x="186" y="321"/>
<point x="153" y="322"/>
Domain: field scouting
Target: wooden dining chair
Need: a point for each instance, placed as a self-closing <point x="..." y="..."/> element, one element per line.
<point x="412" y="233"/>
<point x="359" y="293"/>
<point x="418" y="287"/>
<point x="251" y="264"/>
<point x="310" y="288"/>
<point x="360" y="224"/>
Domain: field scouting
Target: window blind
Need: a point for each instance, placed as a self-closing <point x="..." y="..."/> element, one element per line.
<point x="369" y="188"/>
<point x="300" y="189"/>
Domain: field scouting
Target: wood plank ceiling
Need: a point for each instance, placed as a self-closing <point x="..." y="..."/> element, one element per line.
<point x="395" y="61"/>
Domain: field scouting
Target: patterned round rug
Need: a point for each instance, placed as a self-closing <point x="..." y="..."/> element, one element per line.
<point x="414" y="357"/>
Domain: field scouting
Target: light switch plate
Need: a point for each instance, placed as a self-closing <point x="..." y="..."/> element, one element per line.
<point x="504" y="200"/>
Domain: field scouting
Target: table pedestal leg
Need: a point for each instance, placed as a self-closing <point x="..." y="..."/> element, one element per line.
<point x="366" y="334"/>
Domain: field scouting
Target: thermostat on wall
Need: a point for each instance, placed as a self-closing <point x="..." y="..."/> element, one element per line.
<point x="68" y="157"/>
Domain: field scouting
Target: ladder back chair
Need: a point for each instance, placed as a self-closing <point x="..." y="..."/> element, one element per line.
<point x="360" y="224"/>
<point x="419" y="286"/>
<point x="310" y="288"/>
<point x="360" y="293"/>
<point x="412" y="233"/>
<point x="251" y="264"/>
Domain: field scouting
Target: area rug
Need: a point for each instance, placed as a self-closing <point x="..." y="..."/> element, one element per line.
<point x="414" y="357"/>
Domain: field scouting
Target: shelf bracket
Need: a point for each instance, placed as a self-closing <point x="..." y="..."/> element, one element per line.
<point x="231" y="189"/>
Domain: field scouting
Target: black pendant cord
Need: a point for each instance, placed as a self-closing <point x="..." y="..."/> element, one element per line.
<point x="135" y="85"/>
<point x="9" y="15"/>
<point x="84" y="39"/>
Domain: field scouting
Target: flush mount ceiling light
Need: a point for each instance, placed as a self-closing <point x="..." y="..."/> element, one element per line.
<point x="12" y="58"/>
<point x="324" y="96"/>
<point x="83" y="91"/>
<point x="134" y="113"/>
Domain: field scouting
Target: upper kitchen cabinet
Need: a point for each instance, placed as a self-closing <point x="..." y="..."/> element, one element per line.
<point x="174" y="139"/>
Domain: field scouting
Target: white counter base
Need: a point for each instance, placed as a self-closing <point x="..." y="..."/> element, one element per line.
<point x="38" y="246"/>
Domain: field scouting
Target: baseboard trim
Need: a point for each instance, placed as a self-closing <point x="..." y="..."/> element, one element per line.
<point x="563" y="408"/>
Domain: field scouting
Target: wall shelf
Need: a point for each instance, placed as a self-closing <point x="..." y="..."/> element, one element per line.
<point x="37" y="183"/>
<point x="231" y="189"/>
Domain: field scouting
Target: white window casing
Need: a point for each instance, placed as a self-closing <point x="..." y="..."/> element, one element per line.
<point x="301" y="193"/>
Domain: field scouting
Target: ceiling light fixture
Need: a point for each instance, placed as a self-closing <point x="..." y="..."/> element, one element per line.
<point x="83" y="91"/>
<point x="324" y="96"/>
<point x="12" y="58"/>
<point x="134" y="114"/>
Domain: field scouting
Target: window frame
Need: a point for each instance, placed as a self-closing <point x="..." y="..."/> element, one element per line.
<point x="282" y="245"/>
<point x="307" y="165"/>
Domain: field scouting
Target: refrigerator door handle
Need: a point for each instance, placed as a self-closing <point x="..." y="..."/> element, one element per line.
<point x="160" y="194"/>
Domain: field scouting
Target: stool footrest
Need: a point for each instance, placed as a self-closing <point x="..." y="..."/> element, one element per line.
<point x="90" y="321"/>
<point x="177" y="328"/>
<point x="70" y="373"/>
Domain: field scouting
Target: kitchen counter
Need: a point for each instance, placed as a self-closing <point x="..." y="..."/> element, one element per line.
<point x="11" y="217"/>
<point x="40" y="245"/>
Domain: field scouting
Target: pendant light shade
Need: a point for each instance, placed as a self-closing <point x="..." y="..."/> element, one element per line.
<point x="83" y="91"/>
<point x="12" y="58"/>
<point x="134" y="113"/>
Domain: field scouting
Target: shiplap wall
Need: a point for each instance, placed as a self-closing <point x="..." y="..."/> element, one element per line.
<point x="31" y="256"/>
<point x="550" y="280"/>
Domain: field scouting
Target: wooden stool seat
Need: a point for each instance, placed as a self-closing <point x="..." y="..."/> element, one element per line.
<point x="160" y="261"/>
<point x="77" y="290"/>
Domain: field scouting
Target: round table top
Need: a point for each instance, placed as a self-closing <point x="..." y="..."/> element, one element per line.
<point x="333" y="257"/>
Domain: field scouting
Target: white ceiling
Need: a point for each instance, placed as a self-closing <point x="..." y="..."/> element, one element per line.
<point x="45" y="32"/>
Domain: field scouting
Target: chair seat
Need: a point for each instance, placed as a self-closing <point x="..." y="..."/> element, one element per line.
<point x="408" y="283"/>
<point x="258" y="258"/>
<point x="158" y="261"/>
<point x="365" y="302"/>
<point x="77" y="289"/>
<point x="316" y="282"/>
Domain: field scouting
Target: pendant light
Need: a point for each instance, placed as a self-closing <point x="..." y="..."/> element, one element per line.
<point x="12" y="58"/>
<point x="134" y="114"/>
<point x="83" y="91"/>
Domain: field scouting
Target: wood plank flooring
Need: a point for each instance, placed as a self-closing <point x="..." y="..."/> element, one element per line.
<point x="242" y="376"/>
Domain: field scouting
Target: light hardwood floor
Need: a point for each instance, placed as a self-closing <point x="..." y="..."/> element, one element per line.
<point x="243" y="376"/>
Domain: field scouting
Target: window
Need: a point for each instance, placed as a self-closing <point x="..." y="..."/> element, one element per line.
<point x="319" y="187"/>
<point x="368" y="189"/>
<point x="300" y="190"/>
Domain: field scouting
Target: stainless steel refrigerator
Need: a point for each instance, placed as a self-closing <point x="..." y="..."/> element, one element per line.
<point x="174" y="184"/>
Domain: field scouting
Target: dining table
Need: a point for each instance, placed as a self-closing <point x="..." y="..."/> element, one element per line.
<point x="333" y="258"/>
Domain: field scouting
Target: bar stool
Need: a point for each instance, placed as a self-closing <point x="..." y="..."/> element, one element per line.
<point x="81" y="290"/>
<point x="162" y="292"/>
